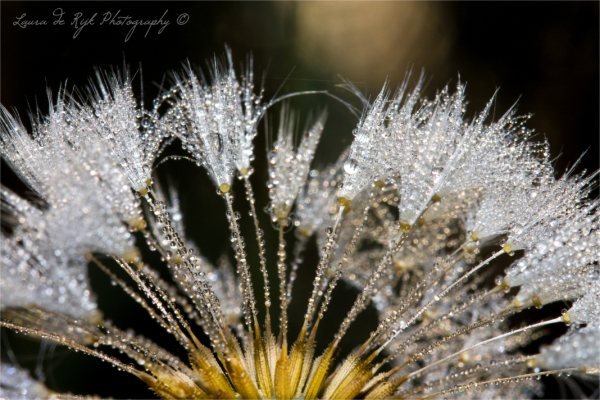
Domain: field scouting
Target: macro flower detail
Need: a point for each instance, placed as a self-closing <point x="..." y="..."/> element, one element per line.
<point x="216" y="120"/>
<point x="455" y="231"/>
<point x="290" y="166"/>
<point x="16" y="383"/>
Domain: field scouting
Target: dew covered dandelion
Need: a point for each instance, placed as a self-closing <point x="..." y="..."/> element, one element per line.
<point x="450" y="227"/>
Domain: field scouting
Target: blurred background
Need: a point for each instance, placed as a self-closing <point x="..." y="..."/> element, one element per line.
<point x="542" y="55"/>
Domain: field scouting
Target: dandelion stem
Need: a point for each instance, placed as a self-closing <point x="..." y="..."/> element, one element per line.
<point x="484" y="342"/>
<point x="362" y="300"/>
<point x="441" y="294"/>
<point x="249" y="301"/>
<point x="348" y="251"/>
<point x="470" y="373"/>
<point x="181" y="264"/>
<point x="299" y="248"/>
<point x="332" y="233"/>
<point x="283" y="300"/>
<point x="173" y="321"/>
<point x="61" y="339"/>
<point x="424" y="329"/>
<point x="137" y="298"/>
<point x="421" y="353"/>
<point x="498" y="381"/>
<point x="261" y="248"/>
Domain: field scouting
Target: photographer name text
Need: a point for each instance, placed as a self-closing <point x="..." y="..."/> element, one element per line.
<point x="79" y="21"/>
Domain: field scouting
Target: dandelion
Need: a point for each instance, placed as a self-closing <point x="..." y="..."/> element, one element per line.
<point x="451" y="228"/>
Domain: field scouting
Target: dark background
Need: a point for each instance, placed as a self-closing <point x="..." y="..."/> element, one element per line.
<point x="543" y="54"/>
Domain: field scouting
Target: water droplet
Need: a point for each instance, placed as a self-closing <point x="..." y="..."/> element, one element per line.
<point x="350" y="166"/>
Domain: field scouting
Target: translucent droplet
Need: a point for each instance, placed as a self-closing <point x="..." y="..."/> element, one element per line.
<point x="350" y="166"/>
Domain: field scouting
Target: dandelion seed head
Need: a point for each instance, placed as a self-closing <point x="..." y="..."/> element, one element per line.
<point x="430" y="217"/>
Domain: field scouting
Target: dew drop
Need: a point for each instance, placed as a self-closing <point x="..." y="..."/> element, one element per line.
<point x="350" y="166"/>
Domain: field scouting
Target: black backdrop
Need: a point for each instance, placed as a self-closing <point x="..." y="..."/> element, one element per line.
<point x="543" y="54"/>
